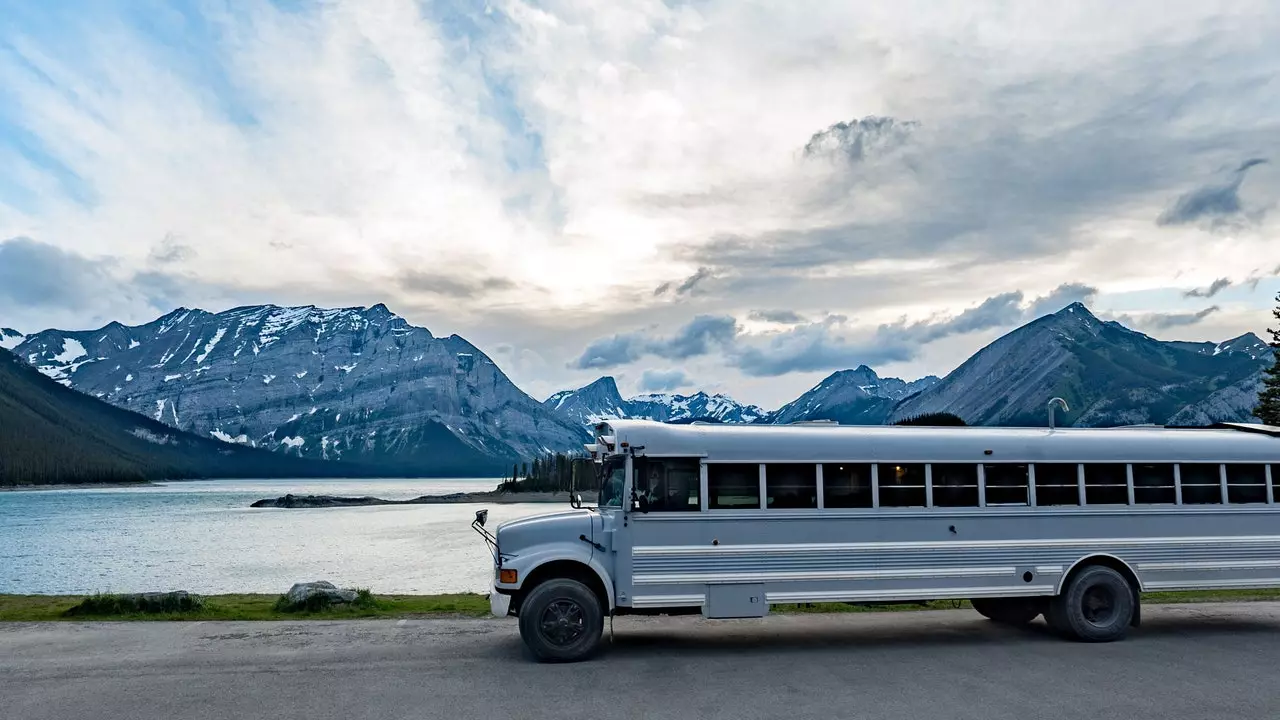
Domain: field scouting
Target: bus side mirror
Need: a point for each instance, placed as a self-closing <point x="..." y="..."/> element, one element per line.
<point x="576" y="500"/>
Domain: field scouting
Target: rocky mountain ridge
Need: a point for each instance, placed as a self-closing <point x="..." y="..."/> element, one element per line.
<point x="358" y="384"/>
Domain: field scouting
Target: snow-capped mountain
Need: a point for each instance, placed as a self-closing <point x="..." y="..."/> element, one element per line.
<point x="353" y="383"/>
<point x="10" y="338"/>
<point x="601" y="401"/>
<point x="1108" y="374"/>
<point x="851" y="397"/>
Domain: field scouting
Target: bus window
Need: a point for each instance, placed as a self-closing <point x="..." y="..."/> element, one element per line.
<point x="791" y="485"/>
<point x="733" y="486"/>
<point x="955" y="485"/>
<point x="1154" y="484"/>
<point x="1057" y="484"/>
<point x="1007" y="484"/>
<point x="1246" y="483"/>
<point x="901" y="485"/>
<point x="1106" y="484"/>
<point x="1201" y="484"/>
<point x="846" y="485"/>
<point x="669" y="484"/>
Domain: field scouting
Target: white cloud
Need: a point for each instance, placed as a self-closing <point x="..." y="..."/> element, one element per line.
<point x="529" y="174"/>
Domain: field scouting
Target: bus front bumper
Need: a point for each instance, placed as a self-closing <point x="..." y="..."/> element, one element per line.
<point x="499" y="603"/>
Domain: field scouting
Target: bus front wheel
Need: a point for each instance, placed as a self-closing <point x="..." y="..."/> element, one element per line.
<point x="561" y="621"/>
<point x="1097" y="605"/>
<point x="1008" y="611"/>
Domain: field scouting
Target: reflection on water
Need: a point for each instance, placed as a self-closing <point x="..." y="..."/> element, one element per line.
<point x="202" y="536"/>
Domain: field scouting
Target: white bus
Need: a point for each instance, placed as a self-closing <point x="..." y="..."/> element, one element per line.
<point x="726" y="520"/>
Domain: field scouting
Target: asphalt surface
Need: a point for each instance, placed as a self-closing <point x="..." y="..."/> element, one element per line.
<point x="1187" y="661"/>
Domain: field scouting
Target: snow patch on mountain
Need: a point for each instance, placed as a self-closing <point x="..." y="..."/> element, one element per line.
<point x="10" y="338"/>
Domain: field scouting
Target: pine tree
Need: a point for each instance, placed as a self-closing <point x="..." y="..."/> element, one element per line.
<point x="1268" y="410"/>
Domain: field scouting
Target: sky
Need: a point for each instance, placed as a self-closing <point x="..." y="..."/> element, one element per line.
<point x="730" y="196"/>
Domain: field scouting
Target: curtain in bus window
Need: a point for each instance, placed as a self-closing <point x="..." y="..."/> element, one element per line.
<point x="669" y="484"/>
<point x="791" y="485"/>
<point x="1007" y="484"/>
<point x="846" y="485"/>
<point x="1154" y="484"/>
<point x="1201" y="484"/>
<point x="1106" y="484"/>
<point x="955" y="485"/>
<point x="1057" y="484"/>
<point x="733" y="486"/>
<point x="1246" y="483"/>
<point x="901" y="485"/>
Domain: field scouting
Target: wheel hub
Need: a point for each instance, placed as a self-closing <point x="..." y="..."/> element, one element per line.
<point x="563" y="622"/>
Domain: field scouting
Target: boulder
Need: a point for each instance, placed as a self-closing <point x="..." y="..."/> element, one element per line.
<point x="302" y="593"/>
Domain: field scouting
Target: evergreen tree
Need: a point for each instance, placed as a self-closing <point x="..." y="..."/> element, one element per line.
<point x="1268" y="410"/>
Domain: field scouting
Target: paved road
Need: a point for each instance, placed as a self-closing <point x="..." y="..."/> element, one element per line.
<point x="1190" y="661"/>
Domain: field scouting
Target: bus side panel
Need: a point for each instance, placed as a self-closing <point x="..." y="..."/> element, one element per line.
<point x="814" y="556"/>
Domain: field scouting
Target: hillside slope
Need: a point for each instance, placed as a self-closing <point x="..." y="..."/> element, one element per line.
<point x="51" y="434"/>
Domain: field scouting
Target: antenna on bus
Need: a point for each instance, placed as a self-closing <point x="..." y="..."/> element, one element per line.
<point x="1056" y="401"/>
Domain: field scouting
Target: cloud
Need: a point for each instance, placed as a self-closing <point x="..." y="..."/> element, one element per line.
<point x="452" y="286"/>
<point x="169" y="250"/>
<point x="817" y="346"/>
<point x="1215" y="202"/>
<point x="686" y="287"/>
<point x="1157" y="321"/>
<point x="782" y="317"/>
<point x="698" y="337"/>
<point x="35" y="274"/>
<point x="1060" y="297"/>
<point x="857" y="140"/>
<point x="664" y="380"/>
<point x="1214" y="288"/>
<point x="999" y="311"/>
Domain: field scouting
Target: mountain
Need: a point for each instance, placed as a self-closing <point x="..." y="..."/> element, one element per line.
<point x="601" y="400"/>
<point x="54" y="435"/>
<point x="1107" y="373"/>
<point x="354" y="384"/>
<point x="10" y="338"/>
<point x="851" y="397"/>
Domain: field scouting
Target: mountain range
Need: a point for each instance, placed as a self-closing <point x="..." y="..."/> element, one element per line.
<point x="601" y="400"/>
<point x="354" y="384"/>
<point x="364" y="386"/>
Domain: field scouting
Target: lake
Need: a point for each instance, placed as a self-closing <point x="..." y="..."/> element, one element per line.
<point x="202" y="536"/>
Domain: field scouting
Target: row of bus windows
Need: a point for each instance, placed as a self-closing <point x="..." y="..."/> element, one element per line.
<point x="674" y="484"/>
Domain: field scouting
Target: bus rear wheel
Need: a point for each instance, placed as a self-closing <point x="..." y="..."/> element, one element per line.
<point x="1097" y="606"/>
<point x="1008" y="611"/>
<point x="561" y="621"/>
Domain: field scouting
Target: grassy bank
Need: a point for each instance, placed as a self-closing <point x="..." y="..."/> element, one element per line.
<point x="28" y="608"/>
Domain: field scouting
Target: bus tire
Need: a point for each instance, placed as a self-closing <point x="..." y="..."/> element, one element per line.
<point x="1096" y="606"/>
<point x="1008" y="611"/>
<point x="561" y="621"/>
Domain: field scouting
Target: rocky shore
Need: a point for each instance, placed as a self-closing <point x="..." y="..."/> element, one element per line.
<point x="491" y="497"/>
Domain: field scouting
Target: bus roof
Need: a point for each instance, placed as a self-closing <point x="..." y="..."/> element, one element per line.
<point x="1226" y="442"/>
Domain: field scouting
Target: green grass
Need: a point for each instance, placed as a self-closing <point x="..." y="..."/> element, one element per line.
<point x="29" y="608"/>
<point x="25" y="608"/>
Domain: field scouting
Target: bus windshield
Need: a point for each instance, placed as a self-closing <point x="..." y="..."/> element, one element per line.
<point x="612" y="477"/>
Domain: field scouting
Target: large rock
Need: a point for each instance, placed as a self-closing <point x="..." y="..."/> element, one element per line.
<point x="302" y="593"/>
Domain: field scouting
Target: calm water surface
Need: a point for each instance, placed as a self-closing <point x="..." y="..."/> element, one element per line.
<point x="202" y="536"/>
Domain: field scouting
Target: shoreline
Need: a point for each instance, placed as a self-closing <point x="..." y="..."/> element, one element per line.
<point x="78" y="486"/>
<point x="492" y="497"/>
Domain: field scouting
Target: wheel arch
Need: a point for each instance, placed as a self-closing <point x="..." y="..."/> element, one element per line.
<point x="585" y="573"/>
<point x="1111" y="561"/>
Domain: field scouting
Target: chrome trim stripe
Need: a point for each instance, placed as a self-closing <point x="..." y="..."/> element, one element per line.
<point x="906" y="594"/>
<point x="1213" y="584"/>
<point x="791" y="549"/>
<point x="1049" y="569"/>
<point x="742" y="577"/>
<point x="1212" y="565"/>
<point x="645" y="601"/>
